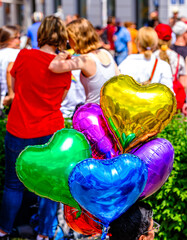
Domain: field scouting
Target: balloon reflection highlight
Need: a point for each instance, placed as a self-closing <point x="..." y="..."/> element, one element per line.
<point x="133" y="112"/>
<point x="85" y="224"/>
<point x="44" y="169"/>
<point x="88" y="119"/>
<point x="109" y="187"/>
<point x="158" y="154"/>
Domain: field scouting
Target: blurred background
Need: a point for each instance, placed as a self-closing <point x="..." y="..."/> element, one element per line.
<point x="97" y="11"/>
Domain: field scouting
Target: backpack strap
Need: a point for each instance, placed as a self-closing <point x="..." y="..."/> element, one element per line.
<point x="177" y="68"/>
<point x="153" y="71"/>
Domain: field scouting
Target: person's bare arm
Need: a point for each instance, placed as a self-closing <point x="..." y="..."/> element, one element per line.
<point x="13" y="82"/>
<point x="9" y="78"/>
<point x="9" y="98"/>
<point x="60" y="64"/>
<point x="117" y="71"/>
<point x="83" y="62"/>
<point x="64" y="95"/>
<point x="183" y="81"/>
<point x="129" y="46"/>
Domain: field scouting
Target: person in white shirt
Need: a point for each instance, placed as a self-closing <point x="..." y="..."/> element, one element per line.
<point x="175" y="60"/>
<point x="96" y="64"/>
<point x="140" y="66"/>
<point x="9" y="49"/>
<point x="75" y="96"/>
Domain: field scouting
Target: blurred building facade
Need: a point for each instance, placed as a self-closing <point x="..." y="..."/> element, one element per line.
<point x="97" y="11"/>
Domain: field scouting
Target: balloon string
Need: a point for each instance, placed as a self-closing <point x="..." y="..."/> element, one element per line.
<point x="101" y="224"/>
<point x="104" y="232"/>
<point x="105" y="227"/>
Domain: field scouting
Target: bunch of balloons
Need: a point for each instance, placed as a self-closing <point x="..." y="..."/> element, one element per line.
<point x="108" y="160"/>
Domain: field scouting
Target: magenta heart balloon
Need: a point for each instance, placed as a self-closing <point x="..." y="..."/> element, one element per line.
<point x="158" y="154"/>
<point x="88" y="119"/>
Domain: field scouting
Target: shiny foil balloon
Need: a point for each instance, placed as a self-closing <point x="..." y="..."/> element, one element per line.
<point x="109" y="187"/>
<point x="44" y="169"/>
<point x="158" y="154"/>
<point x="85" y="224"/>
<point x="134" y="112"/>
<point x="88" y="119"/>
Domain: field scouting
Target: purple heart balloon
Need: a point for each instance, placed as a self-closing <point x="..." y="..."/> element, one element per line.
<point x="158" y="154"/>
<point x="88" y="119"/>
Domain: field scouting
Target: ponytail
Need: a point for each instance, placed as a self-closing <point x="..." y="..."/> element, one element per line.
<point x="163" y="45"/>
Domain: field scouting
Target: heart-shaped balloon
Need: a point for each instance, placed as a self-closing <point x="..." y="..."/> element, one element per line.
<point x="85" y="224"/>
<point x="109" y="187"/>
<point x="134" y="112"/>
<point x="88" y="119"/>
<point x="158" y="154"/>
<point x="45" y="169"/>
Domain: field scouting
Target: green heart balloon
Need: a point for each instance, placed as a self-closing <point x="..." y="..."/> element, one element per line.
<point x="44" y="169"/>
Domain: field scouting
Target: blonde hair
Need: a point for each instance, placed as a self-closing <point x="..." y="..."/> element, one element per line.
<point x="147" y="39"/>
<point x="163" y="46"/>
<point x="7" y="33"/>
<point x="84" y="36"/>
<point x="37" y="16"/>
<point x="52" y="31"/>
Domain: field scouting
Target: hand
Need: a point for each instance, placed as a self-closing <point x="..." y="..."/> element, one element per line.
<point x="56" y="65"/>
<point x="63" y="55"/>
<point x="8" y="100"/>
<point x="184" y="109"/>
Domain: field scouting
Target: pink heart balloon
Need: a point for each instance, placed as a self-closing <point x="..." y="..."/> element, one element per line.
<point x="88" y="119"/>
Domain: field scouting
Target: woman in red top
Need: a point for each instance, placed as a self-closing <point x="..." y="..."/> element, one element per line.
<point x="34" y="116"/>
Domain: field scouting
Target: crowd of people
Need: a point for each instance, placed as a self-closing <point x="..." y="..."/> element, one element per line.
<point x="65" y="65"/>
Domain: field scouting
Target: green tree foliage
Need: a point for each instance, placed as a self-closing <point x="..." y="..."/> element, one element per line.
<point x="169" y="203"/>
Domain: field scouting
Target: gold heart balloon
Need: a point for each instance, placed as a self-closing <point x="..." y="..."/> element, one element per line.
<point x="134" y="112"/>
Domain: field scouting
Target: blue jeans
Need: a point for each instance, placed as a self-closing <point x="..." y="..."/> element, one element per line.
<point x="119" y="57"/>
<point x="13" y="190"/>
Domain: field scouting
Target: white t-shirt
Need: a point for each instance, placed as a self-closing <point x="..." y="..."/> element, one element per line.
<point x="173" y="58"/>
<point x="7" y="55"/>
<point x="76" y="95"/>
<point x="136" y="66"/>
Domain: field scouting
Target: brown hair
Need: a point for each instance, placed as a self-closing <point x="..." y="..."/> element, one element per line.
<point x="7" y="33"/>
<point x="147" y="39"/>
<point x="128" y="24"/>
<point x="163" y="46"/>
<point x="84" y="36"/>
<point x="52" y="31"/>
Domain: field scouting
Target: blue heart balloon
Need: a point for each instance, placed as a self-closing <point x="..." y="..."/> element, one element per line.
<point x="107" y="188"/>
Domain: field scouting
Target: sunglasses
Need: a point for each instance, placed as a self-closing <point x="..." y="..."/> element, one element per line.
<point x="155" y="228"/>
<point x="17" y="37"/>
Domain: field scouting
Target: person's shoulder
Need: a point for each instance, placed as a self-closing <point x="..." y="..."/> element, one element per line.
<point x="125" y="29"/>
<point x="163" y="65"/>
<point x="33" y="26"/>
<point x="160" y="61"/>
<point x="87" y="57"/>
<point x="24" y="51"/>
<point x="156" y="52"/>
<point x="16" y="51"/>
<point x="172" y="54"/>
<point x="30" y="28"/>
<point x="175" y="47"/>
<point x="10" y="52"/>
<point x="137" y="57"/>
<point x="126" y="61"/>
